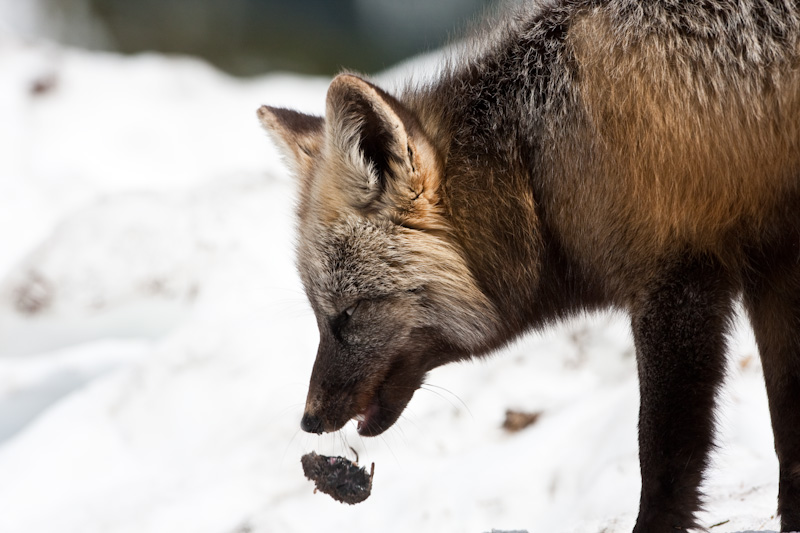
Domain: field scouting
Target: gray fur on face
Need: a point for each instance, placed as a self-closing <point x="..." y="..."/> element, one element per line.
<point x="358" y="258"/>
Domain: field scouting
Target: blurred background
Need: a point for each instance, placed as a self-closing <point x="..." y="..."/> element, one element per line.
<point x="248" y="37"/>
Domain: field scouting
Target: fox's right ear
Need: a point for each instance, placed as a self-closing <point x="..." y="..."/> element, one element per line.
<point x="299" y="136"/>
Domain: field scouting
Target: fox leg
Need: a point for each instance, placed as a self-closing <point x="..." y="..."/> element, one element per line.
<point x="772" y="299"/>
<point x="679" y="331"/>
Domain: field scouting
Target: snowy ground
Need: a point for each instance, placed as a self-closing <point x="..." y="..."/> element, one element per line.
<point x="155" y="343"/>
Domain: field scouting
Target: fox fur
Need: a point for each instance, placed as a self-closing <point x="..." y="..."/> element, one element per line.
<point x="577" y="155"/>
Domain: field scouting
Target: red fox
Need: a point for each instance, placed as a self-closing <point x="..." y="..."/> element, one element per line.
<point x="588" y="154"/>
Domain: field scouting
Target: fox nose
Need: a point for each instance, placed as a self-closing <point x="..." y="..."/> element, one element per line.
<point x="311" y="423"/>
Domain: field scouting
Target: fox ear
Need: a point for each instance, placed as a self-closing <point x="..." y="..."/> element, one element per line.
<point x="366" y="126"/>
<point x="299" y="136"/>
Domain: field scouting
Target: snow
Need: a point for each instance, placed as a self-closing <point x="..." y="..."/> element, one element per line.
<point x="155" y="343"/>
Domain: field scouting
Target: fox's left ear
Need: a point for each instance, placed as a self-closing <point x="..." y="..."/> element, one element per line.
<point x="299" y="136"/>
<point x="374" y="134"/>
<point x="387" y="164"/>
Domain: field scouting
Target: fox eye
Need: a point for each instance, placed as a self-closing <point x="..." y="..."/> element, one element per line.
<point x="347" y="313"/>
<point x="339" y="323"/>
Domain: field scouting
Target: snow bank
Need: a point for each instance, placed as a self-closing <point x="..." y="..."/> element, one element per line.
<point x="155" y="344"/>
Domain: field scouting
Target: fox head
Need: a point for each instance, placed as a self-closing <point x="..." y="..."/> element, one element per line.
<point x="392" y="293"/>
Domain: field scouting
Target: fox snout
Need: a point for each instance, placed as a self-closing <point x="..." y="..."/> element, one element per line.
<point x="327" y="408"/>
<point x="374" y="392"/>
<point x="311" y="423"/>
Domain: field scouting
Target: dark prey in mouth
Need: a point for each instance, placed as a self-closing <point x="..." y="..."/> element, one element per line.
<point x="340" y="478"/>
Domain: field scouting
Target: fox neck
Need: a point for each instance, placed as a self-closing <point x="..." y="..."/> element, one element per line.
<point x="496" y="161"/>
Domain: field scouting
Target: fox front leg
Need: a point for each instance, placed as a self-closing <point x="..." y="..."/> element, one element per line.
<point x="679" y="332"/>
<point x="772" y="299"/>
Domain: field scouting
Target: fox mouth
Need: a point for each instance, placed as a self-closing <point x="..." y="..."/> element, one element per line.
<point x="374" y="402"/>
<point x="369" y="420"/>
<point x="384" y="407"/>
<point x="377" y="416"/>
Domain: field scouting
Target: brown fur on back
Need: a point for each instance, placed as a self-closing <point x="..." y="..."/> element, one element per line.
<point x="689" y="153"/>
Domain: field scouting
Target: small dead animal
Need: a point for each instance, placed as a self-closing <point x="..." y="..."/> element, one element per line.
<point x="338" y="477"/>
